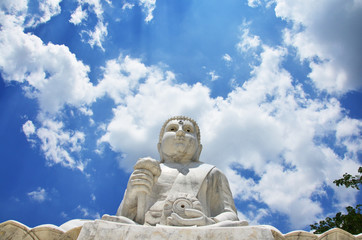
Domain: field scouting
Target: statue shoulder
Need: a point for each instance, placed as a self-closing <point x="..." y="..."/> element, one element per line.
<point x="217" y="174"/>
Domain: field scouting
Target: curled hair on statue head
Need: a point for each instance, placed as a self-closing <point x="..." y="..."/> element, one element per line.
<point x="198" y="135"/>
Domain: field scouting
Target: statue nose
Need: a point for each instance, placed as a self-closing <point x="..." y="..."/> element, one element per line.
<point x="180" y="133"/>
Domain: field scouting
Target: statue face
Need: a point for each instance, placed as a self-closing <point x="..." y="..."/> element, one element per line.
<point x="179" y="142"/>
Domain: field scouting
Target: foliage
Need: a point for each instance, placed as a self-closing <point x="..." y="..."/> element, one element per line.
<point x="350" y="222"/>
<point x="349" y="181"/>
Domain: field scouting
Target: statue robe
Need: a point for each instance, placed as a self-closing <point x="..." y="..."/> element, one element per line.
<point x="202" y="181"/>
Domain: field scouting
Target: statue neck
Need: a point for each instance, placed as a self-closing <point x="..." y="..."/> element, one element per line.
<point x="182" y="161"/>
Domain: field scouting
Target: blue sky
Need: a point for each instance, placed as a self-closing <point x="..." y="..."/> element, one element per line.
<point x="86" y="85"/>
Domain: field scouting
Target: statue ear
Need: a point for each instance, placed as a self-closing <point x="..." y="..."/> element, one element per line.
<point x="197" y="154"/>
<point x="159" y="148"/>
<point x="160" y="152"/>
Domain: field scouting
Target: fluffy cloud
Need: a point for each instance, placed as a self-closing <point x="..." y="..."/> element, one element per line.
<point x="39" y="195"/>
<point x="121" y="77"/>
<point x="127" y="6"/>
<point x="78" y="15"/>
<point x="247" y="40"/>
<point x="227" y="58"/>
<point x="48" y="8"/>
<point x="57" y="144"/>
<point x="97" y="36"/>
<point x="213" y="76"/>
<point x="148" y="7"/>
<point x="17" y="7"/>
<point x="50" y="73"/>
<point x="348" y="135"/>
<point x="53" y="76"/>
<point x="87" y="213"/>
<point x="41" y="12"/>
<point x="324" y="35"/>
<point x="28" y="128"/>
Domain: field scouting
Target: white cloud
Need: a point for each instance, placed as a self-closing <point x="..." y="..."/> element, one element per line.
<point x="254" y="216"/>
<point x="227" y="58"/>
<point x="348" y="135"/>
<point x="247" y="41"/>
<point x="47" y="9"/>
<point x="148" y="7"/>
<point x="50" y="73"/>
<point x="16" y="7"/>
<point x="213" y="75"/>
<point x="39" y="195"/>
<point x="127" y="6"/>
<point x="94" y="5"/>
<point x="28" y="128"/>
<point x="29" y="17"/>
<point x="54" y="77"/>
<point x="254" y="3"/>
<point x="78" y="15"/>
<point x="85" y="212"/>
<point x="326" y="31"/>
<point x="97" y="36"/>
<point x="64" y="215"/>
<point x="121" y="77"/>
<point x="58" y="145"/>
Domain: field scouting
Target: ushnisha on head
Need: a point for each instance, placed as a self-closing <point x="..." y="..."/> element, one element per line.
<point x="179" y="140"/>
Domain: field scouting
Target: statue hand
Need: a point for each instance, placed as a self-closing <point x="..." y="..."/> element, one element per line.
<point x="192" y="217"/>
<point x="141" y="180"/>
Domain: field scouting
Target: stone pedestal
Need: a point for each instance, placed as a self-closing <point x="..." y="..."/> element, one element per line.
<point x="100" y="229"/>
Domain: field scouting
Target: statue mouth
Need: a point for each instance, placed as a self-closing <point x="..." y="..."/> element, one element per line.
<point x="180" y="139"/>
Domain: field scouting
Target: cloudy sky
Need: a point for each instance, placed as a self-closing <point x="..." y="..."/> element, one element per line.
<point x="86" y="85"/>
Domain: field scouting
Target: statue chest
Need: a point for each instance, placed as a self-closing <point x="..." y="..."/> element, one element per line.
<point x="175" y="183"/>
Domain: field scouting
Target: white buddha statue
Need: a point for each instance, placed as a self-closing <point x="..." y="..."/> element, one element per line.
<point x="179" y="190"/>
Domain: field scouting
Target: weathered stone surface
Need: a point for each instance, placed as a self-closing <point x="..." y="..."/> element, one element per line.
<point x="100" y="229"/>
<point x="15" y="230"/>
<point x="178" y="190"/>
<point x="72" y="234"/>
<point x="336" y="234"/>
<point x="333" y="234"/>
<point x="296" y="235"/>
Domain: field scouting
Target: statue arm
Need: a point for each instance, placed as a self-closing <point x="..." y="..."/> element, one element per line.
<point x="221" y="202"/>
<point x="140" y="181"/>
<point x="127" y="208"/>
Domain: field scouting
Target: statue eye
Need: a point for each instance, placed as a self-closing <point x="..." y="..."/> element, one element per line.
<point x="172" y="128"/>
<point x="188" y="129"/>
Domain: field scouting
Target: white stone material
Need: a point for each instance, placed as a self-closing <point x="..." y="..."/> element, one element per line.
<point x="186" y="191"/>
<point x="116" y="231"/>
<point x="100" y="229"/>
<point x="17" y="231"/>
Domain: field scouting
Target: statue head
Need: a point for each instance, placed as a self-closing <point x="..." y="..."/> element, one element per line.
<point x="179" y="140"/>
